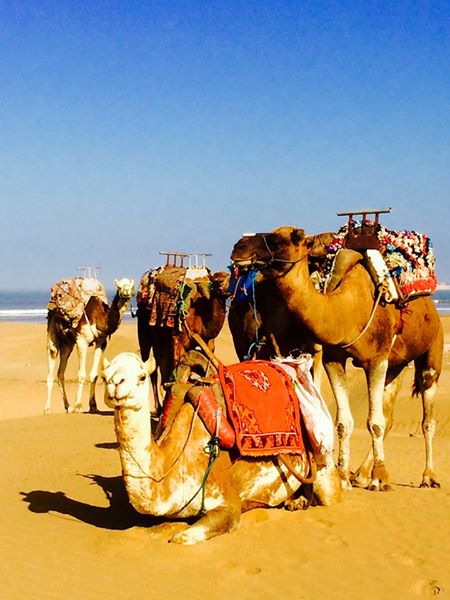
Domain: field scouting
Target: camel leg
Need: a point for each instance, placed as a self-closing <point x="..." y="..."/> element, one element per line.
<point x="344" y="419"/>
<point x="82" y="349"/>
<point x="376" y="422"/>
<point x="65" y="352"/>
<point x="93" y="375"/>
<point x="362" y="477"/>
<point x="426" y="378"/>
<point x="52" y="359"/>
<point x="222" y="519"/>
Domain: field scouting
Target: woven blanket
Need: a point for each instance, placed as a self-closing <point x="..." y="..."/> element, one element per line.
<point x="68" y="297"/>
<point x="160" y="290"/>
<point x="408" y="255"/>
<point x="263" y="408"/>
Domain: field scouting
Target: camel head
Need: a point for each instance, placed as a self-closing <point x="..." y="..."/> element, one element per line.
<point x="127" y="381"/>
<point x="125" y="288"/>
<point x="275" y="252"/>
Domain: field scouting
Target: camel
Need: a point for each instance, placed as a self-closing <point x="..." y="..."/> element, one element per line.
<point x="263" y="327"/>
<point x="205" y="316"/>
<point x="350" y="322"/>
<point x="98" y="322"/>
<point x="175" y="478"/>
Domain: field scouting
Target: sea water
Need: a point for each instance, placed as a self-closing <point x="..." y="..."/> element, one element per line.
<point x="31" y="307"/>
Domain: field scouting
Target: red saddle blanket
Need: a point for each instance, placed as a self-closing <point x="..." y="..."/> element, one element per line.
<point x="263" y="408"/>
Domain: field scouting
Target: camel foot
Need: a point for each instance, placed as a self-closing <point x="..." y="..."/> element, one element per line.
<point x="297" y="504"/>
<point x="165" y="529"/>
<point x="346" y="484"/>
<point x="47" y="411"/>
<point x="189" y="536"/>
<point x="360" y="481"/>
<point x="93" y="410"/>
<point x="430" y="483"/>
<point x="379" y="486"/>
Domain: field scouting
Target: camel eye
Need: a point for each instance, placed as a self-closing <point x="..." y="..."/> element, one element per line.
<point x="142" y="377"/>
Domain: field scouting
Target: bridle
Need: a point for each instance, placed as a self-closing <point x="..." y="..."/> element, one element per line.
<point x="261" y="265"/>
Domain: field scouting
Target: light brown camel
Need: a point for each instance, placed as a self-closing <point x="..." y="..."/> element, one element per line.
<point x="205" y="316"/>
<point x="98" y="322"/>
<point x="381" y="341"/>
<point x="170" y="478"/>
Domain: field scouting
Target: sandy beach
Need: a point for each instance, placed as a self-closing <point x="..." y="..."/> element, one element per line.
<point x="69" y="532"/>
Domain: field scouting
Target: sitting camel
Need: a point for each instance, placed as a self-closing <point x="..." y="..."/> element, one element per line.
<point x="351" y="322"/>
<point x="176" y="477"/>
<point x="97" y="323"/>
<point x="204" y="316"/>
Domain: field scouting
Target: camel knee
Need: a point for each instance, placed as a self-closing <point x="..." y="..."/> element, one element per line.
<point x="429" y="427"/>
<point x="376" y="429"/>
<point x="344" y="429"/>
<point x="429" y="378"/>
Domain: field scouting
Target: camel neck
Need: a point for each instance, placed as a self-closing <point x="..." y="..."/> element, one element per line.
<point x="134" y="440"/>
<point x="318" y="312"/>
<point x="115" y="314"/>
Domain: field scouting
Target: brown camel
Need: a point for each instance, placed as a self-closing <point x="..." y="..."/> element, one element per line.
<point x="205" y="316"/>
<point x="176" y="478"/>
<point x="261" y="324"/>
<point x="350" y="323"/>
<point x="97" y="323"/>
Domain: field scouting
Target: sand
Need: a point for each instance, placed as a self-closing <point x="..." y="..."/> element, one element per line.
<point x="69" y="532"/>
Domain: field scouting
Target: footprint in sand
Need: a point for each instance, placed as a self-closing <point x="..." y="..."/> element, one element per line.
<point x="428" y="588"/>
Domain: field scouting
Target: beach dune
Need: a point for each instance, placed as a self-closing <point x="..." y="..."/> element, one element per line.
<point x="68" y="530"/>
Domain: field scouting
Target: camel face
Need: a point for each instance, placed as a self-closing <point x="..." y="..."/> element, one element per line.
<point x="275" y="249"/>
<point x="126" y="382"/>
<point x="125" y="288"/>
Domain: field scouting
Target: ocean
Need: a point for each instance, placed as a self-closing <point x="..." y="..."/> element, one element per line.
<point x="31" y="307"/>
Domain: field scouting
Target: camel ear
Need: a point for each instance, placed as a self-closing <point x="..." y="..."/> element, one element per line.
<point x="105" y="363"/>
<point x="150" y="364"/>
<point x="297" y="235"/>
<point x="116" y="283"/>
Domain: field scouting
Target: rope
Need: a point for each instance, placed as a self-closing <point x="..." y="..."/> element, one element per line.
<point x="312" y="468"/>
<point x="147" y="475"/>
<point x="372" y="314"/>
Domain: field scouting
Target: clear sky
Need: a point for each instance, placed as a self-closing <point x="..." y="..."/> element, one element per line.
<point x="134" y="126"/>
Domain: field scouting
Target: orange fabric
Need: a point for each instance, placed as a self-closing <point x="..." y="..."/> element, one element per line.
<point x="263" y="408"/>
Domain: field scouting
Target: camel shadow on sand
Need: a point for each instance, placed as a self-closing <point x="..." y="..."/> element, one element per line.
<point x="119" y="515"/>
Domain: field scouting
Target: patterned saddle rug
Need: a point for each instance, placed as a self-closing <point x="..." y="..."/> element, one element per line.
<point x="168" y="291"/>
<point x="263" y="408"/>
<point x="408" y="256"/>
<point x="68" y="297"/>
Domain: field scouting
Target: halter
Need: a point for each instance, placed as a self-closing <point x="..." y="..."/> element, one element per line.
<point x="273" y="259"/>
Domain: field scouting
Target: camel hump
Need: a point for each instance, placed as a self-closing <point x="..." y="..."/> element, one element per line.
<point x="344" y="260"/>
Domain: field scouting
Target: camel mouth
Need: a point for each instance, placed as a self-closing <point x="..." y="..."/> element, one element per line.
<point x="243" y="262"/>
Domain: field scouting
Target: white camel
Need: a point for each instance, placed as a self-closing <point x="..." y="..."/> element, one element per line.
<point x="174" y="477"/>
<point x="98" y="322"/>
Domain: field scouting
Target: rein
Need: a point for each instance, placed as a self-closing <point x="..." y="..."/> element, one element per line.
<point x="147" y="475"/>
<point x="372" y="314"/>
<point x="212" y="449"/>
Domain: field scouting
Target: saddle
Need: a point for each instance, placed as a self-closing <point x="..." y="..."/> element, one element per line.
<point x="68" y="297"/>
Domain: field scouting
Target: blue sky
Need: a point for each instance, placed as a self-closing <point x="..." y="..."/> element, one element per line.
<point x="130" y="127"/>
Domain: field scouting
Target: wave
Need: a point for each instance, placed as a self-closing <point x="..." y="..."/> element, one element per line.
<point x="32" y="314"/>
